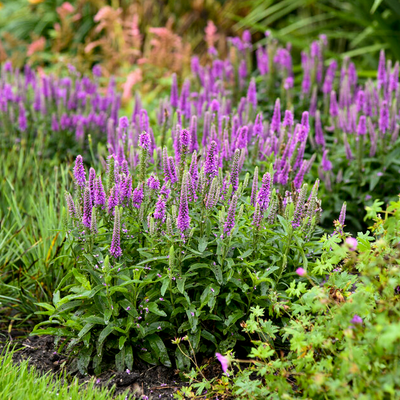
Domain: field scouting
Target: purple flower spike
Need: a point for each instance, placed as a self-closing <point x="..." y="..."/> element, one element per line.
<point x="342" y="216"/>
<point x="115" y="249"/>
<point x="230" y="218"/>
<point x="252" y="94"/>
<point x="265" y="192"/>
<point x="174" y="92"/>
<point x="159" y="212"/>
<point x="362" y="125"/>
<point x="184" y="141"/>
<point x="144" y="141"/>
<point x="22" y="120"/>
<point x="326" y="164"/>
<point x="87" y="208"/>
<point x="183" y="220"/>
<point x="210" y="167"/>
<point x="381" y="76"/>
<point x="99" y="194"/>
<point x="276" y="118"/>
<point x="137" y="197"/>
<point x="193" y="135"/>
<point x="79" y="172"/>
<point x="288" y="120"/>
<point x="224" y="362"/>
<point x="124" y="123"/>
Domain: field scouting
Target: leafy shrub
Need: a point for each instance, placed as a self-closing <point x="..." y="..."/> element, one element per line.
<point x="149" y="268"/>
<point x="341" y="335"/>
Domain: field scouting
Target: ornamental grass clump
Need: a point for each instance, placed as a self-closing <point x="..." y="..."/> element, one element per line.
<point x="175" y="257"/>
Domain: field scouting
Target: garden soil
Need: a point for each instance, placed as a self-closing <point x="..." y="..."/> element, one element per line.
<point x="156" y="382"/>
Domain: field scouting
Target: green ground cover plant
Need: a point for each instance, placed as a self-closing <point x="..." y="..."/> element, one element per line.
<point x="20" y="381"/>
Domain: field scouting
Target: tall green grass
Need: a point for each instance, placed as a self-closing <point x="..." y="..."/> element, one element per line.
<point x="21" y="382"/>
<point x="32" y="255"/>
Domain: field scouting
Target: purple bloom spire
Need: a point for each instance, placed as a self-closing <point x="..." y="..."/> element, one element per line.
<point x="254" y="187"/>
<point x="234" y="180"/>
<point x="167" y="175"/>
<point x="326" y="164"/>
<point x="112" y="201"/>
<point x="159" y="212"/>
<point x="153" y="182"/>
<point x="87" y="208"/>
<point x="264" y="194"/>
<point x="92" y="182"/>
<point x="174" y="99"/>
<point x="210" y="167"/>
<point x="193" y="170"/>
<point x="194" y="145"/>
<point x="184" y="141"/>
<point x="319" y="133"/>
<point x="144" y="141"/>
<point x="230" y="218"/>
<point x="288" y="120"/>
<point x="70" y="204"/>
<point x="384" y="117"/>
<point x="172" y="170"/>
<point x="333" y="105"/>
<point x="54" y="123"/>
<point x="99" y="194"/>
<point x="381" y="75"/>
<point x="342" y="215"/>
<point x="362" y="125"/>
<point x="276" y="117"/>
<point x="299" y="210"/>
<point x="115" y="248"/>
<point x="298" y="180"/>
<point x="22" y="120"/>
<point x="79" y="172"/>
<point x="183" y="220"/>
<point x="137" y="197"/>
<point x="252" y="94"/>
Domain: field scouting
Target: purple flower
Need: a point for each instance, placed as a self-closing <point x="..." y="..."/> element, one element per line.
<point x="362" y="125"/>
<point x="183" y="220"/>
<point x="210" y="167"/>
<point x="174" y="98"/>
<point x="99" y="194"/>
<point x="153" y="183"/>
<point x="234" y="180"/>
<point x="22" y="120"/>
<point x="159" y="212"/>
<point x="351" y="243"/>
<point x="342" y="215"/>
<point x="381" y="75"/>
<point x="265" y="192"/>
<point x="326" y="164"/>
<point x="79" y="172"/>
<point x="96" y="70"/>
<point x="184" y="141"/>
<point x="112" y="200"/>
<point x="230" y="218"/>
<point x="357" y="320"/>
<point x="224" y="362"/>
<point x="124" y="122"/>
<point x="144" y="141"/>
<point x="87" y="208"/>
<point x="115" y="249"/>
<point x="137" y="197"/>
<point x="252" y="94"/>
<point x="301" y="271"/>
<point x="276" y="117"/>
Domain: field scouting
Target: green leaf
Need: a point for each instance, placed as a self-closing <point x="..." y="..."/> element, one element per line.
<point x="81" y="279"/>
<point x="85" y="330"/>
<point x="202" y="244"/>
<point x="165" y="285"/>
<point x="121" y="342"/>
<point x="153" y="307"/>
<point x="84" y="359"/>
<point x="159" y="349"/>
<point x="129" y="357"/>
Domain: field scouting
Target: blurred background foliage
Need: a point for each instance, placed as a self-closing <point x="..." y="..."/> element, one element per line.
<point x="121" y="34"/>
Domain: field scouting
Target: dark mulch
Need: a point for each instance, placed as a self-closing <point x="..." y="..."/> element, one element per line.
<point x="156" y="382"/>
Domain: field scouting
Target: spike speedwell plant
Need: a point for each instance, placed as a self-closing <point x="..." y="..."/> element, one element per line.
<point x="183" y="252"/>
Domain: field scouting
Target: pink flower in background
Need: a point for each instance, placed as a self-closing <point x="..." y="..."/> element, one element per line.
<point x="351" y="243"/>
<point x="301" y="271"/>
<point x="224" y="362"/>
<point x="36" y="46"/>
<point x="132" y="79"/>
